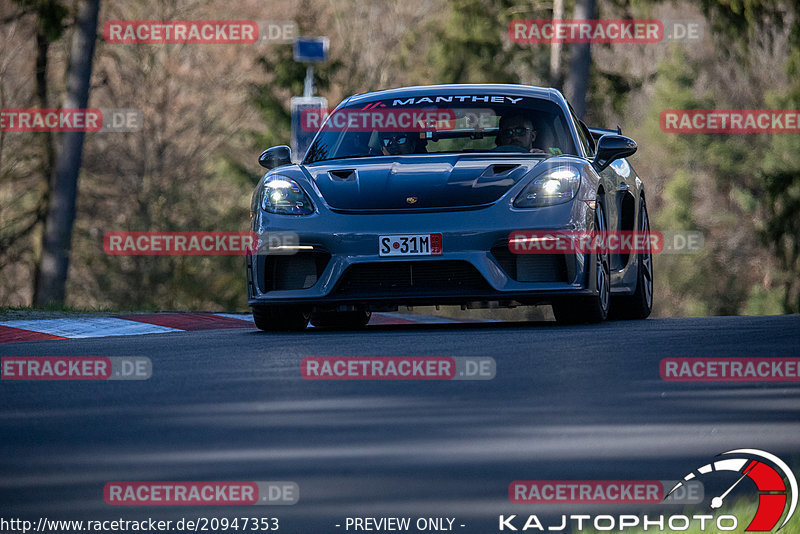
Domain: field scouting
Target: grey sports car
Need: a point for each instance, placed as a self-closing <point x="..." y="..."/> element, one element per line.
<point x="411" y="196"/>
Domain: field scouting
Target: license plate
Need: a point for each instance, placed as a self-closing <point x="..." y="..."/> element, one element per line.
<point x="410" y="245"/>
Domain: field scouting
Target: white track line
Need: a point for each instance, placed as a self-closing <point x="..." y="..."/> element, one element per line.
<point x="89" y="327"/>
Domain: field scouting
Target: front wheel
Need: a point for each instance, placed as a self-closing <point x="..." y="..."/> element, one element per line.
<point x="640" y="303"/>
<point x="280" y="318"/>
<point x="592" y="309"/>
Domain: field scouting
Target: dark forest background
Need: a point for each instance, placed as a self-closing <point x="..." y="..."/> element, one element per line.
<point x="210" y="109"/>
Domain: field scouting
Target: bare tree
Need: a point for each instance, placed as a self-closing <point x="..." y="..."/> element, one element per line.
<point x="50" y="284"/>
<point x="577" y="83"/>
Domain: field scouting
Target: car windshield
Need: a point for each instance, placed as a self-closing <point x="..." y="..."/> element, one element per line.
<point x="440" y="124"/>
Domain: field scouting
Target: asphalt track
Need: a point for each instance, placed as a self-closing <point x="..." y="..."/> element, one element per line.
<point x="567" y="403"/>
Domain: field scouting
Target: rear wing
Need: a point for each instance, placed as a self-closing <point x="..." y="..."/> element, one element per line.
<point x="597" y="133"/>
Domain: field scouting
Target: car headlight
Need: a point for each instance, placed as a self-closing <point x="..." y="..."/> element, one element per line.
<point x="556" y="186"/>
<point x="284" y="196"/>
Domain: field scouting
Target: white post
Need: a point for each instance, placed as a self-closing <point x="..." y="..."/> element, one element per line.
<point x="308" y="89"/>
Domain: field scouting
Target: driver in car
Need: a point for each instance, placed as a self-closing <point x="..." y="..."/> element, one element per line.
<point x="396" y="143"/>
<point x="516" y="134"/>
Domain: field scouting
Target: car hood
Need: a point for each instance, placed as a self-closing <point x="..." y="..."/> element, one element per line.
<point x="418" y="182"/>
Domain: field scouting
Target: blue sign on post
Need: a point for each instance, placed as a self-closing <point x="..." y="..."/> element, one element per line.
<point x="311" y="49"/>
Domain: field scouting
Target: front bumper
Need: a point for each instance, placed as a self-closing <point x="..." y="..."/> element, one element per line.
<point x="340" y="264"/>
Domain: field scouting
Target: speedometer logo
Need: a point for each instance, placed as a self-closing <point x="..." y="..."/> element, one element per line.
<point x="770" y="476"/>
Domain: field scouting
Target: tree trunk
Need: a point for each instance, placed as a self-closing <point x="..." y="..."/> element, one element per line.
<point x="555" y="48"/>
<point x="48" y="162"/>
<point x="577" y="84"/>
<point x="50" y="285"/>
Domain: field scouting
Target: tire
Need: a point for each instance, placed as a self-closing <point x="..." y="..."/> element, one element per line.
<point x="592" y="309"/>
<point x="640" y="303"/>
<point x="280" y="318"/>
<point x="347" y="319"/>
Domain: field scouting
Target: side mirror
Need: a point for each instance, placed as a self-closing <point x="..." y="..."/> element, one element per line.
<point x="275" y="157"/>
<point x="611" y="147"/>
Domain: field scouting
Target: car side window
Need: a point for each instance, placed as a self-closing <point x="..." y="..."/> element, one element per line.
<point x="589" y="137"/>
<point x="583" y="134"/>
